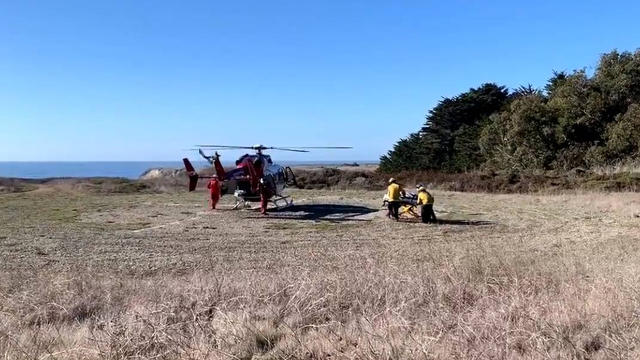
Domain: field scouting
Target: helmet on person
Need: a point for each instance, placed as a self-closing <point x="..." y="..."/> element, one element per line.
<point x="421" y="188"/>
<point x="392" y="180"/>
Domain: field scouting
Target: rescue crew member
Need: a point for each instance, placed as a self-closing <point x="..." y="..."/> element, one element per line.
<point x="426" y="200"/>
<point x="265" y="195"/>
<point x="393" y="193"/>
<point x="214" y="191"/>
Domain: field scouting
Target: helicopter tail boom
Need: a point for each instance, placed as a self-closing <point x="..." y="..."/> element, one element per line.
<point x="191" y="173"/>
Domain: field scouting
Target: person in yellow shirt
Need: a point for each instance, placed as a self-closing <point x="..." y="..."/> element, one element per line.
<point x="394" y="190"/>
<point x="426" y="200"/>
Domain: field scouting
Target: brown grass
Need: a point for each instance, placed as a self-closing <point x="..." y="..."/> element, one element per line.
<point x="155" y="276"/>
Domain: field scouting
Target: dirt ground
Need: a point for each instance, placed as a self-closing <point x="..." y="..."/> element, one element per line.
<point x="115" y="276"/>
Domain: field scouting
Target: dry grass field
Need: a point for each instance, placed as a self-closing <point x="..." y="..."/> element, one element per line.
<point x="156" y="276"/>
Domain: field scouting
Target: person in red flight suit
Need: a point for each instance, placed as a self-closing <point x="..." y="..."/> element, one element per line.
<point x="214" y="192"/>
<point x="265" y="195"/>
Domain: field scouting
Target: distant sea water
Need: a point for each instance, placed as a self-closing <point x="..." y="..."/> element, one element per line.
<point x="125" y="169"/>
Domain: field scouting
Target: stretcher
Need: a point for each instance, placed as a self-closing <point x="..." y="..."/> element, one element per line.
<point x="408" y="205"/>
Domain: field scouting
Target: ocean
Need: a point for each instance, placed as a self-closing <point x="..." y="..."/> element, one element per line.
<point x="125" y="169"/>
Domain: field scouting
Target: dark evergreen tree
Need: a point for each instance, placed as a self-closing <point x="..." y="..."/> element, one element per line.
<point x="449" y="138"/>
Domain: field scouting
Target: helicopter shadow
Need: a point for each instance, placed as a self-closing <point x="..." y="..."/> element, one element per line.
<point x="319" y="212"/>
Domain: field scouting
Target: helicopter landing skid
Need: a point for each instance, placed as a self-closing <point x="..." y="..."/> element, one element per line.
<point x="241" y="200"/>
<point x="278" y="200"/>
<point x="241" y="204"/>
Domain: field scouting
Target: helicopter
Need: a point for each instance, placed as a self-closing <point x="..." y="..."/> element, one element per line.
<point x="251" y="172"/>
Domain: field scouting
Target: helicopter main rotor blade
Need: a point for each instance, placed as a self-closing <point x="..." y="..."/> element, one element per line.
<point x="315" y="147"/>
<point x="262" y="147"/>
<point x="222" y="147"/>
<point x="285" y="149"/>
<point x="225" y="147"/>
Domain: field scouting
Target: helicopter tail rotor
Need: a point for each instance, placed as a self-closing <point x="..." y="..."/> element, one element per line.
<point x="208" y="158"/>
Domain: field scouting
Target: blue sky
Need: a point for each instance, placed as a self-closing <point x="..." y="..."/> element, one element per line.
<point x="143" y="80"/>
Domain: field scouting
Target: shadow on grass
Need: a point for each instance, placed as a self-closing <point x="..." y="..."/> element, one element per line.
<point x="319" y="212"/>
<point x="463" y="222"/>
<point x="452" y="222"/>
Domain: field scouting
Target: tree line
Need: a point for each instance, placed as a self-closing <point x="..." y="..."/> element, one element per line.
<point x="576" y="121"/>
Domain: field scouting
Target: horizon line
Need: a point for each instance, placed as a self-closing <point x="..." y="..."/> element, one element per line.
<point x="132" y="161"/>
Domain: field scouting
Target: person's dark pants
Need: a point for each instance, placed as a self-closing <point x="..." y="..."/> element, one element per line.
<point x="265" y="195"/>
<point x="394" y="209"/>
<point x="427" y="214"/>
